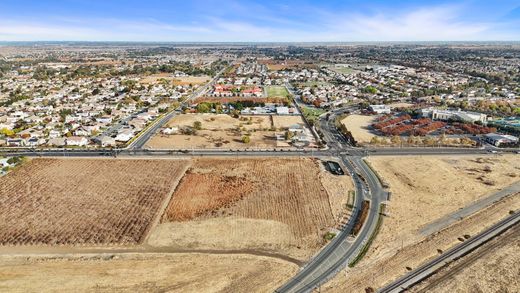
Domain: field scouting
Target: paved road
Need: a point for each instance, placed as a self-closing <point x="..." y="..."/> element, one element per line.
<point x="462" y="249"/>
<point x="470" y="209"/>
<point x="144" y="136"/>
<point x="336" y="255"/>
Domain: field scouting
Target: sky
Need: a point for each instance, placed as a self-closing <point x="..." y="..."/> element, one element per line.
<point x="259" y="21"/>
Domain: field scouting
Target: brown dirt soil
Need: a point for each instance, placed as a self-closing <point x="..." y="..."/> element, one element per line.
<point x="195" y="187"/>
<point x="284" y="122"/>
<point x="221" y="121"/>
<point x="144" y="273"/>
<point x="84" y="201"/>
<point x="224" y="131"/>
<point x="186" y="80"/>
<point x="281" y="198"/>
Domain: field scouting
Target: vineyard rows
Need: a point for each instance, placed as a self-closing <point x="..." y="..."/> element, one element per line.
<point x="84" y="201"/>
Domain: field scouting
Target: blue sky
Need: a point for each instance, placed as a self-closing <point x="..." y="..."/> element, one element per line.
<point x="237" y="21"/>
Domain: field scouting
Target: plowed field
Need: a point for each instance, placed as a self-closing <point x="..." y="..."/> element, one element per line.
<point x="282" y="192"/>
<point x="84" y="201"/>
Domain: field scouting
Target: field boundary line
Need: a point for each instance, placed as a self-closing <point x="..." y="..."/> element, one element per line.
<point x="164" y="204"/>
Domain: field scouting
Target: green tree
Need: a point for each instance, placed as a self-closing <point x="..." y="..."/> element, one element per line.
<point x="246" y="139"/>
<point x="203" y="108"/>
<point x="197" y="125"/>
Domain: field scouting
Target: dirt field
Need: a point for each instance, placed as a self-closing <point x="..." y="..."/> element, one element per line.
<point x="249" y="203"/>
<point x="184" y="80"/>
<point x="493" y="267"/>
<point x="284" y="122"/>
<point x="224" y="131"/>
<point x="145" y="273"/>
<point x="358" y="125"/>
<point x="425" y="189"/>
<point x="84" y="201"/>
<point x="221" y="121"/>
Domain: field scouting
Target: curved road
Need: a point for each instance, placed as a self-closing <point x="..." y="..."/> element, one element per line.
<point x="342" y="249"/>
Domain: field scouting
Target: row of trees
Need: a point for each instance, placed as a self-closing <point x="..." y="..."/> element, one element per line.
<point x="417" y="140"/>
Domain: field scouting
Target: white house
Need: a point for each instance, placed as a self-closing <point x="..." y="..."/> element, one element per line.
<point x="125" y="135"/>
<point x="77" y="141"/>
<point x="107" y="141"/>
<point x="380" y="109"/>
<point x="170" y="130"/>
<point x="282" y="110"/>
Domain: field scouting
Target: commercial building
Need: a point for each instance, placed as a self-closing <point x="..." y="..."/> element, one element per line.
<point x="444" y="115"/>
<point x="500" y="139"/>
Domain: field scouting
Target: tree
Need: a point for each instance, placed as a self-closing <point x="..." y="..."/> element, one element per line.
<point x="203" y="108"/>
<point x="197" y="125"/>
<point x="429" y="141"/>
<point x="6" y="132"/>
<point x="396" y="139"/>
<point x="246" y="139"/>
<point x="374" y="140"/>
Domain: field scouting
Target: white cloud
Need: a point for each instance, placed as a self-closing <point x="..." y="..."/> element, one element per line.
<point x="426" y="24"/>
<point x="436" y="23"/>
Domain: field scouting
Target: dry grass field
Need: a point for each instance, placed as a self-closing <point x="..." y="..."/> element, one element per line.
<point x="84" y="201"/>
<point x="493" y="267"/>
<point x="144" y="273"/>
<point x="224" y="131"/>
<point x="284" y="122"/>
<point x="359" y="126"/>
<point x="184" y="80"/>
<point x="273" y="204"/>
<point x="425" y="189"/>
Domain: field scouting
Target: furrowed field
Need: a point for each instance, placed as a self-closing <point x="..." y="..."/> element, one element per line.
<point x="275" y="204"/>
<point x="84" y="201"/>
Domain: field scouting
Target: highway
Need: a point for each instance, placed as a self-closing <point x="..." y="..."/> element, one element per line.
<point x="458" y="251"/>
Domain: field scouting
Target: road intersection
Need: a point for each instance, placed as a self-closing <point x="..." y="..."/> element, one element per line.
<point x="337" y="254"/>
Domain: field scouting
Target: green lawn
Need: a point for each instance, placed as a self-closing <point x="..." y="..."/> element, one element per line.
<point x="311" y="114"/>
<point x="276" y="91"/>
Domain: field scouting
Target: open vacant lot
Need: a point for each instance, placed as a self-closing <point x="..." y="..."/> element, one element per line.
<point x="424" y="189"/>
<point x="359" y="125"/>
<point x="84" y="201"/>
<point x="224" y="131"/>
<point x="144" y="273"/>
<point x="276" y="91"/>
<point x="284" y="122"/>
<point x="183" y="80"/>
<point x="266" y="204"/>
